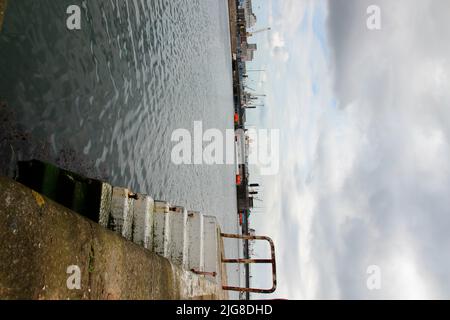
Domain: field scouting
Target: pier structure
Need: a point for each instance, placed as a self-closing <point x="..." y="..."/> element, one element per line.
<point x="50" y="252"/>
<point x="190" y="241"/>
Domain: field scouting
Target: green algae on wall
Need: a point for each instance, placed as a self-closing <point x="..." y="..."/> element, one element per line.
<point x="3" y="4"/>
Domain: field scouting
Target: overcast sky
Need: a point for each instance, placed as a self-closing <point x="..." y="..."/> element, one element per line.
<point x="365" y="126"/>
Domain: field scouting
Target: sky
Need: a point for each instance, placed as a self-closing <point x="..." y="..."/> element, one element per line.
<point x="364" y="164"/>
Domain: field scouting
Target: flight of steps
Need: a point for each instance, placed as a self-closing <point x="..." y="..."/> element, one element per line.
<point x="187" y="238"/>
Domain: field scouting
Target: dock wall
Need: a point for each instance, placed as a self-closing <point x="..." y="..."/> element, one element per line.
<point x="40" y="240"/>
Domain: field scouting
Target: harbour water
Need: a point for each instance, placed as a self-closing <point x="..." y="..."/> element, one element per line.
<point x="104" y="100"/>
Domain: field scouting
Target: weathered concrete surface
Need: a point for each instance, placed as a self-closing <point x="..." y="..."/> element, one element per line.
<point x="40" y="239"/>
<point x="3" y="4"/>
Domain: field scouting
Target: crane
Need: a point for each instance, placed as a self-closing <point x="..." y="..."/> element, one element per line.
<point x="249" y="34"/>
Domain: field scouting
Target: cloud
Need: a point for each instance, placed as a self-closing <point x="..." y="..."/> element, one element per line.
<point x="284" y="21"/>
<point x="277" y="46"/>
<point x="365" y="173"/>
<point x="391" y="90"/>
<point x="276" y="40"/>
<point x="289" y="97"/>
<point x="279" y="53"/>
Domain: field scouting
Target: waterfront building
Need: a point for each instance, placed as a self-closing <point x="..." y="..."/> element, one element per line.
<point x="250" y="17"/>
<point x="248" y="51"/>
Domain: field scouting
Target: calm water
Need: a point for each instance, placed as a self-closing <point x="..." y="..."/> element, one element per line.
<point x="103" y="101"/>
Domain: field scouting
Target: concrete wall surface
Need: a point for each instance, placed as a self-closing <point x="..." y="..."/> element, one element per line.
<point x="40" y="241"/>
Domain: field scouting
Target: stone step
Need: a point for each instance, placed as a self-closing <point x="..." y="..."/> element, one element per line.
<point x="210" y="246"/>
<point x="162" y="206"/>
<point x="177" y="244"/>
<point x="143" y="221"/>
<point x="187" y="238"/>
<point x="195" y="239"/>
<point x="104" y="211"/>
<point x="121" y="217"/>
<point x="161" y="228"/>
<point x="88" y="197"/>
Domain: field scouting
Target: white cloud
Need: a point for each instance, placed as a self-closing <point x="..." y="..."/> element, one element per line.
<point x="364" y="180"/>
<point x="277" y="46"/>
<point x="276" y="39"/>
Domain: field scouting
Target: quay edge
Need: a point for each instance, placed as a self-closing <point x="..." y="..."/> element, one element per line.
<point x="41" y="239"/>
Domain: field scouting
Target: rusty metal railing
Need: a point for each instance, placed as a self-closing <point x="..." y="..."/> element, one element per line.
<point x="250" y="261"/>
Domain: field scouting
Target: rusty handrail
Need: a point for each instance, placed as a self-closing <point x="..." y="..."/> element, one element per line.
<point x="249" y="261"/>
